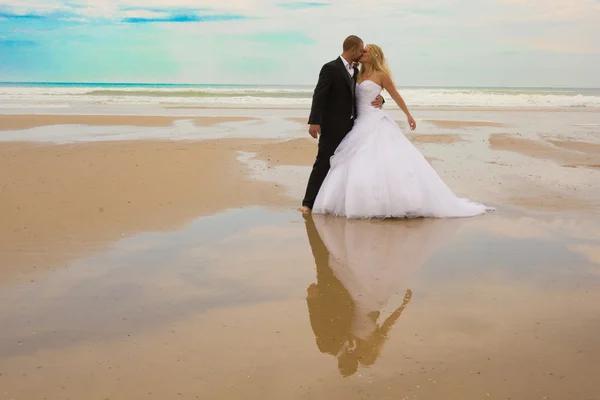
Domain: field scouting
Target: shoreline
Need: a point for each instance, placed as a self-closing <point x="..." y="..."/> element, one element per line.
<point x="225" y="107"/>
<point x="437" y="121"/>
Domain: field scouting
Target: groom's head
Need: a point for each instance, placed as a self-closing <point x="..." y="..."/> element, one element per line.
<point x="353" y="48"/>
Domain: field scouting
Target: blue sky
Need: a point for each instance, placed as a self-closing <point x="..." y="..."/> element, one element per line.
<point x="435" y="42"/>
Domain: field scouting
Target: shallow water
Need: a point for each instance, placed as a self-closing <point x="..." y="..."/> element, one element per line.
<point x="272" y="124"/>
<point x="259" y="304"/>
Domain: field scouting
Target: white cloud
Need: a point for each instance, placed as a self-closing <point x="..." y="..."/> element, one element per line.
<point x="434" y="42"/>
<point x="118" y="8"/>
<point x="553" y="10"/>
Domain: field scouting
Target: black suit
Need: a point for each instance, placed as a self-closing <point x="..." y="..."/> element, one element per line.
<point x="334" y="108"/>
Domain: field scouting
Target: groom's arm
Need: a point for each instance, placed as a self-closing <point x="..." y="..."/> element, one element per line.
<point x="320" y="94"/>
<point x="378" y="102"/>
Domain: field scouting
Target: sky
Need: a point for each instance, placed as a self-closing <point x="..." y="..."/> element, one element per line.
<point x="530" y="43"/>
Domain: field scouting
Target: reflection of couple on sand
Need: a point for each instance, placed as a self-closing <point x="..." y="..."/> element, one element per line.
<point x="360" y="266"/>
<point x="365" y="166"/>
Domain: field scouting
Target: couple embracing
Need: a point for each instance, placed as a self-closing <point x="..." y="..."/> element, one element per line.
<point x="365" y="166"/>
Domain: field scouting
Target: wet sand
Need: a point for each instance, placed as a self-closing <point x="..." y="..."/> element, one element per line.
<point x="28" y="121"/>
<point x="300" y="120"/>
<point x="61" y="201"/>
<point x="302" y="152"/>
<point x="171" y="269"/>
<point x="567" y="153"/>
<point x="435" y="138"/>
<point x="183" y="315"/>
<point x="305" y="109"/>
<point x="299" y="152"/>
<point x="449" y="124"/>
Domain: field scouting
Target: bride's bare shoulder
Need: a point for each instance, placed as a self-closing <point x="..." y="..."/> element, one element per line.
<point x="381" y="77"/>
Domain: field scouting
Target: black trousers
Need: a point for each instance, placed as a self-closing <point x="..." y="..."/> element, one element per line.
<point x="328" y="142"/>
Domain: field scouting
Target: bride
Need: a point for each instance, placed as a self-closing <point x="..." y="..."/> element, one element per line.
<point x="376" y="172"/>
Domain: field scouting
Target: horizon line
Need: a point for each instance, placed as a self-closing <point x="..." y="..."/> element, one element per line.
<point x="259" y="84"/>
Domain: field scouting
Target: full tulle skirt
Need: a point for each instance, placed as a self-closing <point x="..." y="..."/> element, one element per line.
<point x="376" y="172"/>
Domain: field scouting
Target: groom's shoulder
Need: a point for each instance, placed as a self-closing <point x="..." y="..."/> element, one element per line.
<point x="331" y="63"/>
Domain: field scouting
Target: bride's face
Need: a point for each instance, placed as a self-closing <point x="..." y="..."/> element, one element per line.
<point x="365" y="58"/>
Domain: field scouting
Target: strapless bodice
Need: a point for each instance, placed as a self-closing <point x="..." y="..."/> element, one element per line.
<point x="366" y="92"/>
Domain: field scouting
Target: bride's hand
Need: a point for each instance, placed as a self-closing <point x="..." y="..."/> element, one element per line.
<point x="412" y="123"/>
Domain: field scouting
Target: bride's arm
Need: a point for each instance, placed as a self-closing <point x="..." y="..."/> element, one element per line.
<point x="388" y="84"/>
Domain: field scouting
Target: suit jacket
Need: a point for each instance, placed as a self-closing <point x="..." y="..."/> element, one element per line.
<point x="334" y="99"/>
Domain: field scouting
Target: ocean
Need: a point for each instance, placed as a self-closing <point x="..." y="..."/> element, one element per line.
<point x="75" y="95"/>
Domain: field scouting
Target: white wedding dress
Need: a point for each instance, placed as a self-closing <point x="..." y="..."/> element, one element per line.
<point x="375" y="259"/>
<point x="376" y="172"/>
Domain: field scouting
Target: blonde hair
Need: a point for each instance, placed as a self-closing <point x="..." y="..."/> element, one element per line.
<point x="378" y="62"/>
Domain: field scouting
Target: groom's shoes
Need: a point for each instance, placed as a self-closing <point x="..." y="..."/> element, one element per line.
<point x="304" y="210"/>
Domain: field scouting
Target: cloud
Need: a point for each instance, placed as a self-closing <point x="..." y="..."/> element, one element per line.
<point x="8" y="15"/>
<point x="185" y="18"/>
<point x="132" y="10"/>
<point x="296" y="5"/>
<point x="552" y="10"/>
<point x="38" y="15"/>
<point x="439" y="42"/>
<point x="282" y="38"/>
<point x="165" y="9"/>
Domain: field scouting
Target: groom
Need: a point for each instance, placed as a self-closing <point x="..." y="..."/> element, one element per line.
<point x="333" y="111"/>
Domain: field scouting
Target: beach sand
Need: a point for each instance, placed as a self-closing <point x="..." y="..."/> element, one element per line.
<point x="27" y="121"/>
<point x="566" y="153"/>
<point x="170" y="269"/>
<point x="449" y="124"/>
<point x="61" y="201"/>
